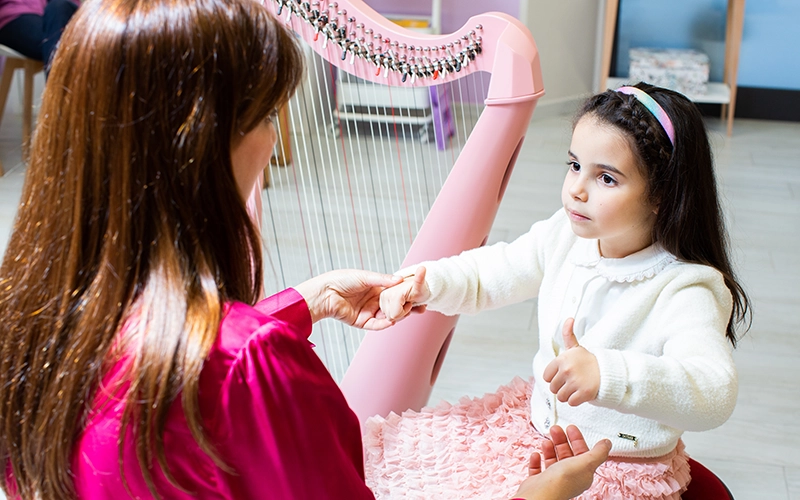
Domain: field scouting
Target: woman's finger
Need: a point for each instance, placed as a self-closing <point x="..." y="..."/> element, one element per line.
<point x="576" y="440"/>
<point x="560" y="442"/>
<point x="534" y="464"/>
<point x="549" y="453"/>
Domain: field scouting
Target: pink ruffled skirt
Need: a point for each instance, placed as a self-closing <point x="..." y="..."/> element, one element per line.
<point x="479" y="448"/>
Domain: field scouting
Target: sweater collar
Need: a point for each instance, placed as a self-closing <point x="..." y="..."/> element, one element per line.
<point x="638" y="266"/>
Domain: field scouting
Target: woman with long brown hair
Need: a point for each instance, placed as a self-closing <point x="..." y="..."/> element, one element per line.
<point x="134" y="356"/>
<point x="133" y="256"/>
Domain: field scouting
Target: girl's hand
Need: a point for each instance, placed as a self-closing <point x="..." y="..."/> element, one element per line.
<point x="350" y="296"/>
<point x="568" y="469"/>
<point x="574" y="375"/>
<point x="401" y="300"/>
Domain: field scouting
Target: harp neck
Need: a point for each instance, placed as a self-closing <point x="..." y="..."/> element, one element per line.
<point x="353" y="37"/>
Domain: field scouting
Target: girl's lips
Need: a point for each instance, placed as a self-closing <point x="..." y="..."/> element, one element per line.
<point x="577" y="216"/>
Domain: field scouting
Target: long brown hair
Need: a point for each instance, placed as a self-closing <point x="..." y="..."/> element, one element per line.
<point x="680" y="180"/>
<point x="130" y="209"/>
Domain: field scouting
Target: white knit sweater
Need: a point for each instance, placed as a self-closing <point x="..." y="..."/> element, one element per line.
<point x="665" y="363"/>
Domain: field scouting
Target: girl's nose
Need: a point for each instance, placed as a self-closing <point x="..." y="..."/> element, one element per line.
<point x="578" y="189"/>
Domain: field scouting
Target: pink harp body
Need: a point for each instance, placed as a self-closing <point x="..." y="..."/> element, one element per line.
<point x="395" y="369"/>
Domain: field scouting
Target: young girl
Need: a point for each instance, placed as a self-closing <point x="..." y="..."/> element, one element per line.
<point x="638" y="302"/>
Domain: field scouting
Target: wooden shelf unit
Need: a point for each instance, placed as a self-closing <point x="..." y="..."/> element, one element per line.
<point x="718" y="93"/>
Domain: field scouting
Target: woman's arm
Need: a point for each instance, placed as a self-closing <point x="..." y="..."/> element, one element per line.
<point x="281" y="425"/>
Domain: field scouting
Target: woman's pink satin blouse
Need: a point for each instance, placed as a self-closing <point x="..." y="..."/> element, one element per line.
<point x="268" y="405"/>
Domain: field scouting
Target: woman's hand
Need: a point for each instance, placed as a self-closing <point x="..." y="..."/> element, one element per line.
<point x="401" y="300"/>
<point x="574" y="375"/>
<point x="351" y="296"/>
<point x="568" y="469"/>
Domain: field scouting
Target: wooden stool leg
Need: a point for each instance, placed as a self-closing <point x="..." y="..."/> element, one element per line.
<point x="610" y="26"/>
<point x="737" y="27"/>
<point x="727" y="63"/>
<point x="31" y="68"/>
<point x="5" y="85"/>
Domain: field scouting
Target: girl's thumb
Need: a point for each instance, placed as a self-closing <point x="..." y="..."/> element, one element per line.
<point x="570" y="340"/>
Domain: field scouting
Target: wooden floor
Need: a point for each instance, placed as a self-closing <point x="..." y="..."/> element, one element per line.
<point x="757" y="452"/>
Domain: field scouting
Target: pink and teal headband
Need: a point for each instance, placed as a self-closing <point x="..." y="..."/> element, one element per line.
<point x="652" y="106"/>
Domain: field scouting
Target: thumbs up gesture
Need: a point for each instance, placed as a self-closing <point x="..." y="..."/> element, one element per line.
<point x="574" y="376"/>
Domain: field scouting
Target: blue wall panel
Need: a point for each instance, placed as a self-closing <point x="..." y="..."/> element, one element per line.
<point x="770" y="53"/>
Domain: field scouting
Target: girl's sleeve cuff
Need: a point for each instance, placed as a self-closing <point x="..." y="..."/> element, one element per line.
<point x="613" y="377"/>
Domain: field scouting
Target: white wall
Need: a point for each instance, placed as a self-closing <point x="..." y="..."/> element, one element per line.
<point x="566" y="36"/>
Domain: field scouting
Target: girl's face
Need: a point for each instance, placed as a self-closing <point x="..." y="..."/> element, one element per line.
<point x="250" y="153"/>
<point x="604" y="193"/>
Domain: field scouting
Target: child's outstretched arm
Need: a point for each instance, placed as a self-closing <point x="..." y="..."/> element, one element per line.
<point x="409" y="296"/>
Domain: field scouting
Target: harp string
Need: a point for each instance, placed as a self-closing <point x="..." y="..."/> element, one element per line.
<point x="354" y="192"/>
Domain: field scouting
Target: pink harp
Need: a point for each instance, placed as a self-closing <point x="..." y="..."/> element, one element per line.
<point x="377" y="103"/>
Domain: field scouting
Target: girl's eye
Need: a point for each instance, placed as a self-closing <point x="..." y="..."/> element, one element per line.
<point x="574" y="166"/>
<point x="608" y="180"/>
<point x="273" y="117"/>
